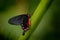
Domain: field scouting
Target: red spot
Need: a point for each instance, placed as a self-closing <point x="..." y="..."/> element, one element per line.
<point x="29" y="21"/>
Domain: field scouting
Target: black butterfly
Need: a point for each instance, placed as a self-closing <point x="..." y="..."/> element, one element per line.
<point x="23" y="20"/>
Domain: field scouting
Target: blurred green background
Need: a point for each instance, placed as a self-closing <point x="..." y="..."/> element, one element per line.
<point x="45" y="19"/>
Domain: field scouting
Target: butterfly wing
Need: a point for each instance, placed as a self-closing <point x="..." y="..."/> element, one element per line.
<point x="17" y="20"/>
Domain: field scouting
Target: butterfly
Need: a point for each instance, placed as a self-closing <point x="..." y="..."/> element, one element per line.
<point x="23" y="20"/>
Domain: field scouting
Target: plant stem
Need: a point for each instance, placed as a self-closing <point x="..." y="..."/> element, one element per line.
<point x="36" y="17"/>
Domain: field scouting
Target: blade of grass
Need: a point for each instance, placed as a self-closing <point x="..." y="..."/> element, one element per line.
<point x="36" y="17"/>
